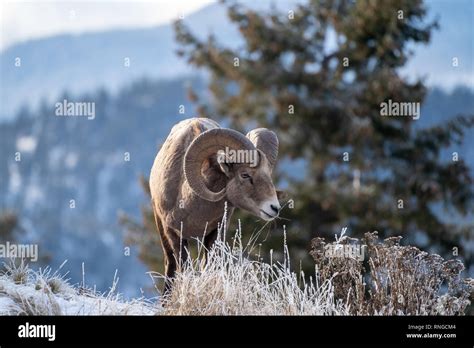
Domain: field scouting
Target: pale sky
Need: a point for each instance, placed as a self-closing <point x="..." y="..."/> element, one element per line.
<point x="22" y="20"/>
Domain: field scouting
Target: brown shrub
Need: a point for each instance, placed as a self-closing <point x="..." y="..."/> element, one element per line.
<point x="393" y="279"/>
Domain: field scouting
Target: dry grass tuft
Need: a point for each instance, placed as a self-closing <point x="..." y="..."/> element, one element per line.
<point x="229" y="283"/>
<point x="18" y="272"/>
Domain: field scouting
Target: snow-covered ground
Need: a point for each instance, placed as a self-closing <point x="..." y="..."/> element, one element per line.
<point x="25" y="292"/>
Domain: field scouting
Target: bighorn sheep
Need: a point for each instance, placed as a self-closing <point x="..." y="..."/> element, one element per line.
<point x="193" y="176"/>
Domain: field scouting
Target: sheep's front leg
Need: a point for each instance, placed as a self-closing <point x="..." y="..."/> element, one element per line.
<point x="169" y="262"/>
<point x="168" y="253"/>
<point x="180" y="253"/>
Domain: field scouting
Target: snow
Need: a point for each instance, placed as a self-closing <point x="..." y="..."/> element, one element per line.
<point x="36" y="297"/>
<point x="8" y="306"/>
<point x="26" y="143"/>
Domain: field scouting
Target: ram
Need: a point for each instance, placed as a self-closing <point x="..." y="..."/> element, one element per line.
<point x="198" y="168"/>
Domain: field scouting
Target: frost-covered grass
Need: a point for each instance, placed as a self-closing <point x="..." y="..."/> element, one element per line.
<point x="229" y="283"/>
<point x="27" y="292"/>
<point x="392" y="280"/>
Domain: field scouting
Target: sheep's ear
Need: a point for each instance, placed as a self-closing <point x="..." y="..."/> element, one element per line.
<point x="224" y="165"/>
<point x="226" y="168"/>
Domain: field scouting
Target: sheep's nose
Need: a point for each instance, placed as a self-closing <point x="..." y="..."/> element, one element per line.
<point x="274" y="208"/>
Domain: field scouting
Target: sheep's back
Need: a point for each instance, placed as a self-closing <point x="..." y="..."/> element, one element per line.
<point x="167" y="177"/>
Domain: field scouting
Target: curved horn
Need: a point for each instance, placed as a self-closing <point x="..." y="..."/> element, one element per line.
<point x="205" y="145"/>
<point x="266" y="141"/>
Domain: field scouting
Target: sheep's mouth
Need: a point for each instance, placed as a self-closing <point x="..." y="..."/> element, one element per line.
<point x="267" y="215"/>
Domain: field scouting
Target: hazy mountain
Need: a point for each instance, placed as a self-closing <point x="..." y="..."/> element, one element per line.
<point x="80" y="63"/>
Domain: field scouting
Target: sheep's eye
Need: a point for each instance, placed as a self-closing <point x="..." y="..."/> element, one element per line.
<point x="246" y="176"/>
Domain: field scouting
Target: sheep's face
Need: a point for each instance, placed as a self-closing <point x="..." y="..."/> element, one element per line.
<point x="251" y="188"/>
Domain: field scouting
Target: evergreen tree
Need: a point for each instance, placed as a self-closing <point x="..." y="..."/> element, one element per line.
<point x="361" y="170"/>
